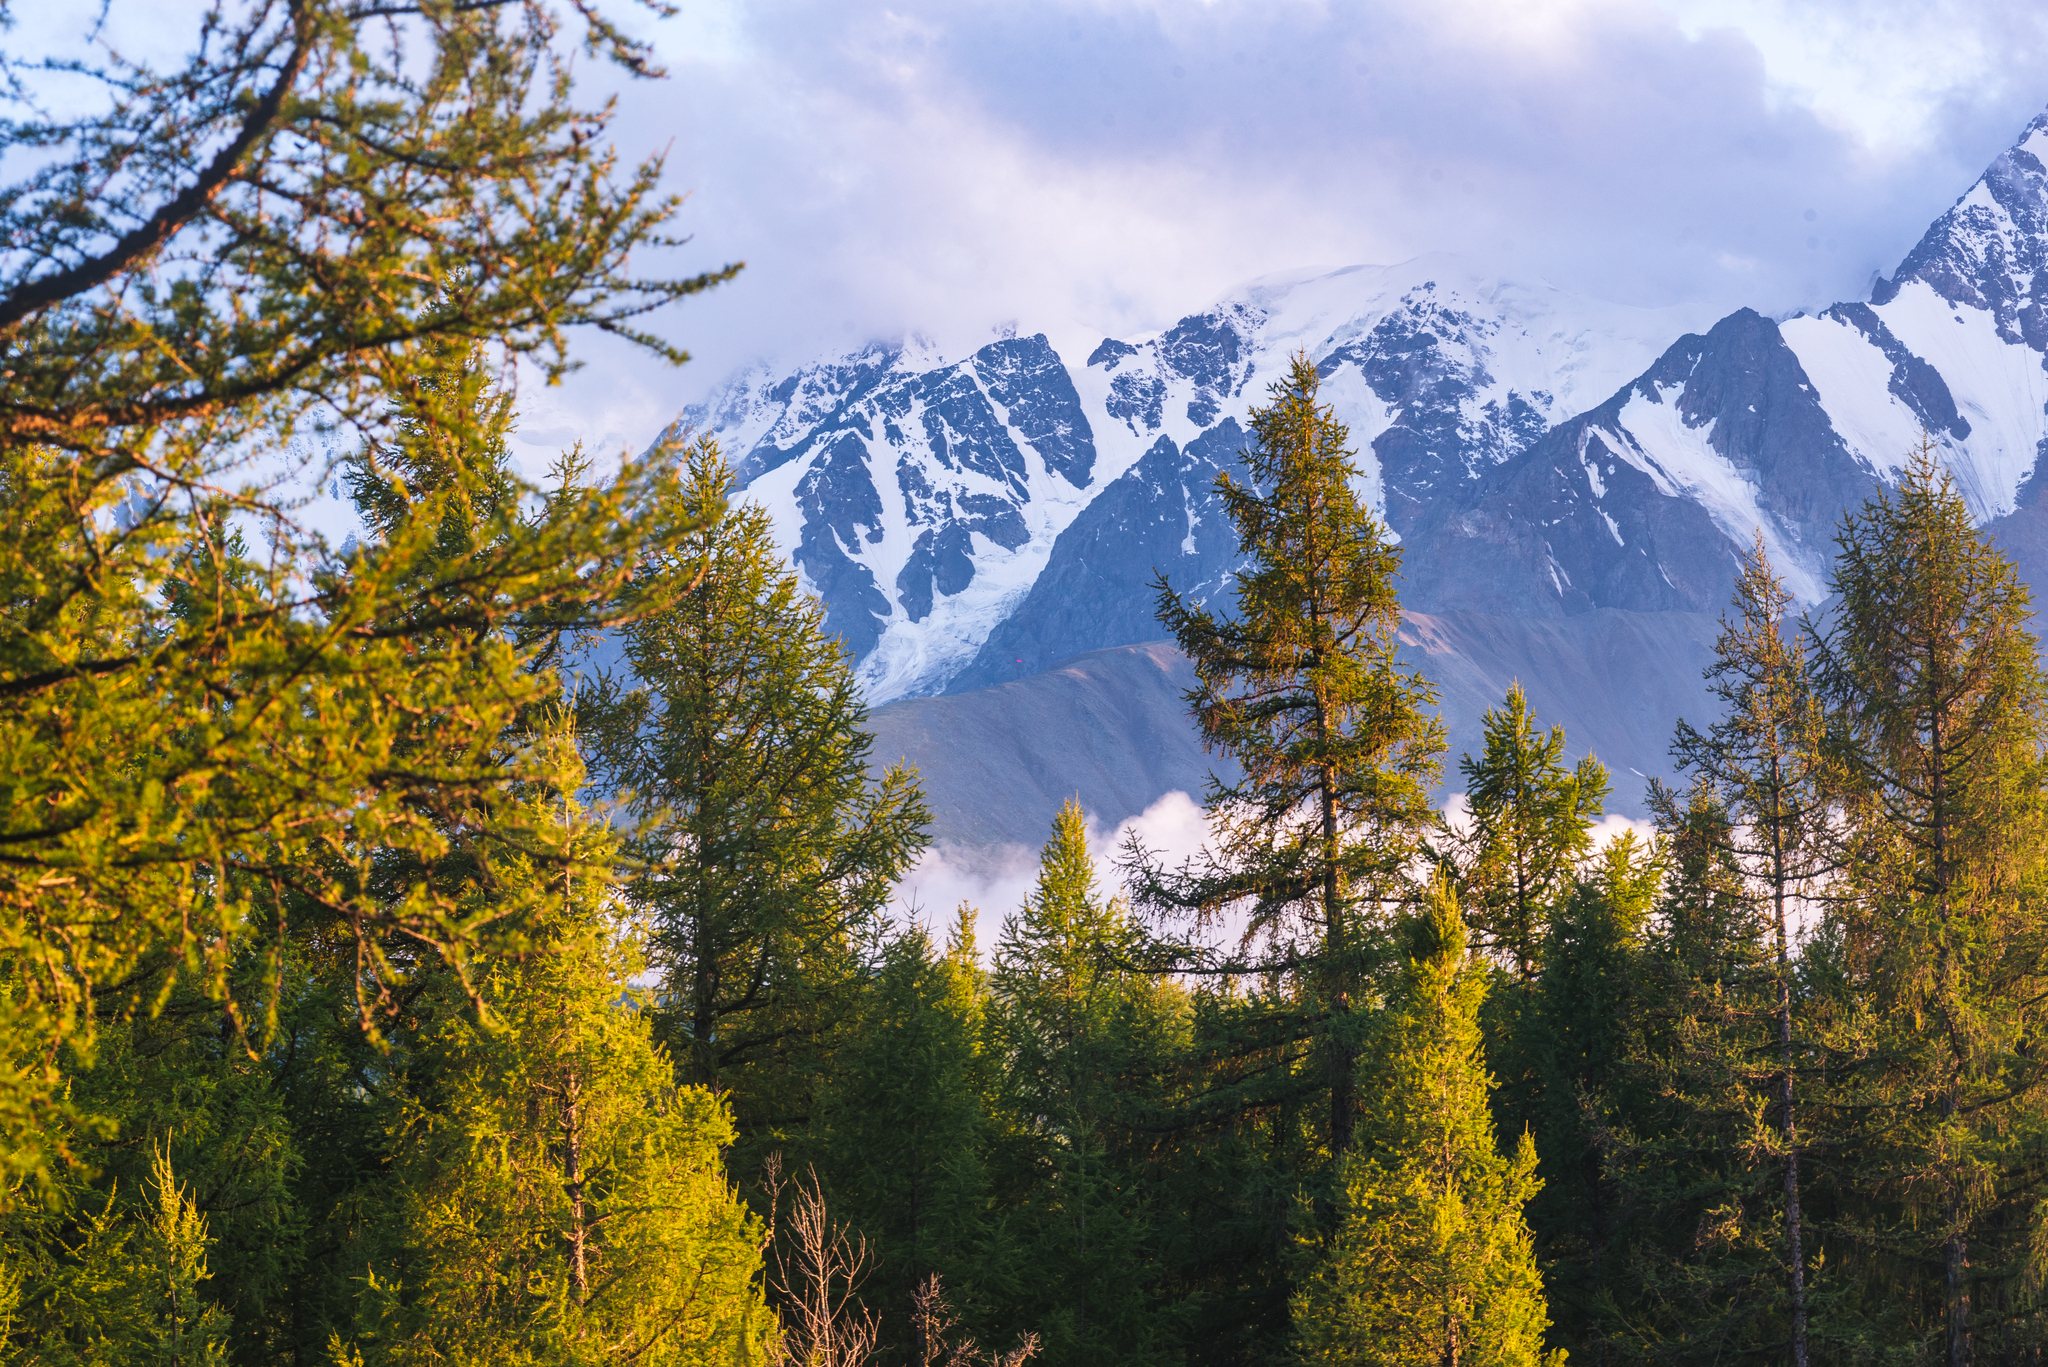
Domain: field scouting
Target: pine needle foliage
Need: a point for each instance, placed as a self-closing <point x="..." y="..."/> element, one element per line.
<point x="1531" y="820"/>
<point x="1432" y="1263"/>
<point x="558" y="1198"/>
<point x="904" y="1132"/>
<point x="1080" y="1032"/>
<point x="287" y="236"/>
<point x="1337" y="743"/>
<point x="1937" y="699"/>
<point x="766" y="853"/>
<point x="1767" y="764"/>
<point x="123" y="1288"/>
<point x="272" y="232"/>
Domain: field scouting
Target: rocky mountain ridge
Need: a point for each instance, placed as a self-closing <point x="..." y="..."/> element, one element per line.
<point x="975" y="521"/>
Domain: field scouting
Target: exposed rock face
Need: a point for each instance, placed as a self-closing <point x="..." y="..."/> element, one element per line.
<point x="1554" y="468"/>
<point x="1111" y="725"/>
<point x="980" y="519"/>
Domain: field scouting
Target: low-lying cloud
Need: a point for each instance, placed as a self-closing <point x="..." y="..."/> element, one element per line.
<point x="996" y="880"/>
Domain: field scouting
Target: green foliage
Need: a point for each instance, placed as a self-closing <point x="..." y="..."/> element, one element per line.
<point x="1935" y="689"/>
<point x="1531" y="830"/>
<point x="1335" y="739"/>
<point x="1080" y="1034"/>
<point x="1754" y="835"/>
<point x="1432" y="1262"/>
<point x="766" y="852"/>
<point x="558" y="1198"/>
<point x="277" y="230"/>
<point x="201" y="748"/>
<point x="1578" y="1037"/>
<point x="121" y="1286"/>
<point x="904" y="1131"/>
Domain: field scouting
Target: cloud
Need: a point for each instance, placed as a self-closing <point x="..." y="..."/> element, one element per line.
<point x="1106" y="166"/>
<point x="1088" y="167"/>
<point x="996" y="880"/>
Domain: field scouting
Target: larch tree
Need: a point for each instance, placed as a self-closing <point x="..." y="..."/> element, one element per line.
<point x="1766" y="761"/>
<point x="1077" y="1027"/>
<point x="766" y="853"/>
<point x="1934" y="684"/>
<point x="1337" y="745"/>
<point x="1431" y="1263"/>
<point x="1531" y="820"/>
<point x="222" y="266"/>
<point x="555" y="1195"/>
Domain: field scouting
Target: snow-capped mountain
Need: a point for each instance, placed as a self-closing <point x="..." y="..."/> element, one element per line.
<point x="1572" y="481"/>
<point x="1639" y="502"/>
<point x="978" y="518"/>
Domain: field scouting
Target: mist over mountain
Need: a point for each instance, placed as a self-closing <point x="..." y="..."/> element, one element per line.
<point x="1571" y="482"/>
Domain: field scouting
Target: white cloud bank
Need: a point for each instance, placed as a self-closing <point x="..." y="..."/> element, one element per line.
<point x="996" y="880"/>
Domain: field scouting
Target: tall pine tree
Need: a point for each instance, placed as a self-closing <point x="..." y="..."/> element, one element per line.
<point x="1937" y="696"/>
<point x="1767" y="761"/>
<point x="767" y="853"/>
<point x="1336" y="741"/>
<point x="554" y="1196"/>
<point x="1081" y="1033"/>
<point x="1531" y="820"/>
<point x="902" y="1135"/>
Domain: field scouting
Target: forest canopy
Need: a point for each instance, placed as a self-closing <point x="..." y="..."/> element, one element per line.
<point x="383" y="980"/>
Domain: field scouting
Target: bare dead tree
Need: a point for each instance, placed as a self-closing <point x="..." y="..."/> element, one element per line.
<point x="816" y="1267"/>
<point x="933" y="1318"/>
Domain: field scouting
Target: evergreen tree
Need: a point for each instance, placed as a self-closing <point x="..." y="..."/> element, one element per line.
<point x="1335" y="740"/>
<point x="1937" y="696"/>
<point x="1432" y="1263"/>
<point x="767" y="854"/>
<point x="194" y="740"/>
<point x="1080" y="1031"/>
<point x="1578" y="1037"/>
<point x="558" y="1198"/>
<point x="903" y="1132"/>
<point x="1766" y="760"/>
<point x="1531" y="830"/>
<point x="1701" y="1164"/>
<point x="120" y="1287"/>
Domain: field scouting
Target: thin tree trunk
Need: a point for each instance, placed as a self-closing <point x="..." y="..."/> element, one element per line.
<point x="572" y="1172"/>
<point x="1794" y="1227"/>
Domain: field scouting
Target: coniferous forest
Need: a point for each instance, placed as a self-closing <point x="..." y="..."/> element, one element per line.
<point x="385" y="983"/>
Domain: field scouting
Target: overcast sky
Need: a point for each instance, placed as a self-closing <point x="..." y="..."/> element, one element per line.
<point x="1108" y="166"/>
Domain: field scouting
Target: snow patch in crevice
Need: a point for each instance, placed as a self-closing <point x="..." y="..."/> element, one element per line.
<point x="1999" y="388"/>
<point x="1653" y="436"/>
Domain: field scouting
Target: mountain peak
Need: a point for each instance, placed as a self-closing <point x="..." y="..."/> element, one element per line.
<point x="1988" y="251"/>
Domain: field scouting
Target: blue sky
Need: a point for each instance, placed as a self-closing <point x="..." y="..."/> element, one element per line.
<point x="949" y="165"/>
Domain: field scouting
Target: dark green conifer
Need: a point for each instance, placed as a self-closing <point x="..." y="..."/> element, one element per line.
<point x="902" y="1136"/>
<point x="1765" y="764"/>
<point x="1081" y="1033"/>
<point x="1935" y="687"/>
<point x="768" y="853"/>
<point x="1531" y="830"/>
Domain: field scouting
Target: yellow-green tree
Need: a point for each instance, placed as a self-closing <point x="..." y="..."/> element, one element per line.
<point x="119" y="1287"/>
<point x="1431" y="1264"/>
<point x="558" y="1198"/>
<point x="285" y="235"/>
